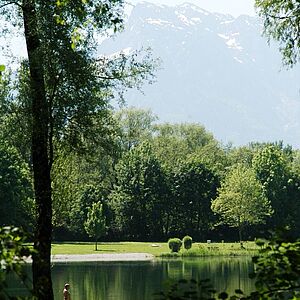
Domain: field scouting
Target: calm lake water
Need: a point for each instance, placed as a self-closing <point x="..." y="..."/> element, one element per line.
<point x="140" y="280"/>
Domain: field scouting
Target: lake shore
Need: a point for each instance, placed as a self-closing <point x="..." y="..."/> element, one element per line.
<point x="143" y="250"/>
<point x="64" y="258"/>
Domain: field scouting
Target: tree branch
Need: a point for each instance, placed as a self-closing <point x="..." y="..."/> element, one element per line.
<point x="280" y="17"/>
<point x="11" y="2"/>
<point x="119" y="77"/>
<point x="51" y="119"/>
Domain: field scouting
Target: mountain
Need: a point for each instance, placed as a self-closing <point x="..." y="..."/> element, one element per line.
<point x="216" y="70"/>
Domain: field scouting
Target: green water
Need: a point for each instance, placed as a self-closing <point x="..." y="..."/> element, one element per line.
<point x="140" y="280"/>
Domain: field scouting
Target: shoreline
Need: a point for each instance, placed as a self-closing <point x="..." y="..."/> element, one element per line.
<point x="116" y="257"/>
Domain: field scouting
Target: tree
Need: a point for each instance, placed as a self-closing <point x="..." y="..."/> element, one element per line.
<point x="272" y="170"/>
<point x="74" y="181"/>
<point x="192" y="188"/>
<point x="139" y="194"/>
<point x="136" y="126"/>
<point x="241" y="155"/>
<point x="173" y="143"/>
<point x="282" y="22"/>
<point x="60" y="104"/>
<point x="95" y="222"/>
<point x="86" y="198"/>
<point x="16" y="197"/>
<point x="213" y="156"/>
<point x="241" y="200"/>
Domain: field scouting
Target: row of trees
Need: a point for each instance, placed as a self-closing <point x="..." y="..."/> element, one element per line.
<point x="162" y="180"/>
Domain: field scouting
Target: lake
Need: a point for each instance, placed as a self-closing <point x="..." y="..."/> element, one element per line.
<point x="140" y="280"/>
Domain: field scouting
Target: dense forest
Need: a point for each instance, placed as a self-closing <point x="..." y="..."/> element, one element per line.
<point x="154" y="181"/>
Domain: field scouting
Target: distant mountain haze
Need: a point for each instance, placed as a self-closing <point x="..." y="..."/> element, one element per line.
<point x="233" y="7"/>
<point x="217" y="70"/>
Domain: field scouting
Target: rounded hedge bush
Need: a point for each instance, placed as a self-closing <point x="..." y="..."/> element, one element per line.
<point x="187" y="242"/>
<point x="174" y="244"/>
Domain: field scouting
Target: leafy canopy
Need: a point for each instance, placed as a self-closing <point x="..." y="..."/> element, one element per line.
<point x="282" y="23"/>
<point x="241" y="199"/>
<point x="95" y="222"/>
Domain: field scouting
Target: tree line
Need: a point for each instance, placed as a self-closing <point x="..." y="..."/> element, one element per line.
<point x="158" y="180"/>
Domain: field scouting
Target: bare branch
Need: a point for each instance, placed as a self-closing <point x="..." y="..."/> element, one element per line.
<point x="109" y="77"/>
<point x="11" y="2"/>
<point x="120" y="77"/>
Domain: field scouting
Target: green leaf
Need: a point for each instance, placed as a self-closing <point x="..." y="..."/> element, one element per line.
<point x="223" y="295"/>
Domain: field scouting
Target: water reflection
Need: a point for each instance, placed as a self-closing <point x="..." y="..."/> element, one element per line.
<point x="139" y="280"/>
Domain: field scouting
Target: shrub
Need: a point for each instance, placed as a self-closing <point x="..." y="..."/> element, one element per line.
<point x="187" y="242"/>
<point x="174" y="244"/>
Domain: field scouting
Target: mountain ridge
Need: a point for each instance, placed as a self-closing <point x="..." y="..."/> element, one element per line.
<point x="217" y="70"/>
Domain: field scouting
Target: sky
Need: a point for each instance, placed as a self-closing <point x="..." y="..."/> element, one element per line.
<point x="233" y="7"/>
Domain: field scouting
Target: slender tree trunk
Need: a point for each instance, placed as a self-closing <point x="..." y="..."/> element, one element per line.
<point x="240" y="236"/>
<point x="166" y="231"/>
<point x="41" y="267"/>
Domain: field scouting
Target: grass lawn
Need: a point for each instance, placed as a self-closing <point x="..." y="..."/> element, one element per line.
<point x="114" y="247"/>
<point x="157" y="249"/>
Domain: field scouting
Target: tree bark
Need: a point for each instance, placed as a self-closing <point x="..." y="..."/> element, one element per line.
<point x="41" y="267"/>
<point x="240" y="235"/>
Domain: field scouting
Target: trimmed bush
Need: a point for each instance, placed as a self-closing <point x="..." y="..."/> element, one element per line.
<point x="174" y="244"/>
<point x="187" y="242"/>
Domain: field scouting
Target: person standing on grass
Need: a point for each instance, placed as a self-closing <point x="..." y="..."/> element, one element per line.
<point x="67" y="295"/>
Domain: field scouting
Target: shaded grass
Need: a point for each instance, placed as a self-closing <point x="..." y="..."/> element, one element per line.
<point x="156" y="249"/>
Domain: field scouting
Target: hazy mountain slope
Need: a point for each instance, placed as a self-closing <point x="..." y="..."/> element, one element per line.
<point x="217" y="70"/>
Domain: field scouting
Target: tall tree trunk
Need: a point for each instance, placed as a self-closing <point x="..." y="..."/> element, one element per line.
<point x="41" y="267"/>
<point x="240" y="235"/>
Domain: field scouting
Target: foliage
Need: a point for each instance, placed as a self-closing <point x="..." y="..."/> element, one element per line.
<point x="136" y="126"/>
<point x="139" y="194"/>
<point x="16" y="204"/>
<point x="95" y="223"/>
<point x="241" y="199"/>
<point x="241" y="155"/>
<point x="272" y="169"/>
<point x="174" y="244"/>
<point x="277" y="269"/>
<point x="192" y="186"/>
<point x="187" y="242"/>
<point x="13" y="253"/>
<point x="281" y="22"/>
<point x="81" y="206"/>
<point x="187" y="289"/>
<point x="13" y="120"/>
<point x="213" y="156"/>
<point x="173" y="143"/>
<point x="2" y="69"/>
<point x="270" y="166"/>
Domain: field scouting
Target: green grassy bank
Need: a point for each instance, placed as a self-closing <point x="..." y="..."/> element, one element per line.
<point x="157" y="249"/>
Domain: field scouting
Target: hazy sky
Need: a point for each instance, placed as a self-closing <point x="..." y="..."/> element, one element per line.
<point x="233" y="7"/>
